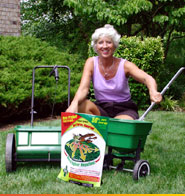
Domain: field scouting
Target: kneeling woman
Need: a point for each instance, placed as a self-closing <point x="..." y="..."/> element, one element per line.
<point x="110" y="80"/>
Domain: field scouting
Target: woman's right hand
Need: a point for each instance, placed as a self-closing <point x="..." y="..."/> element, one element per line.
<point x="73" y="108"/>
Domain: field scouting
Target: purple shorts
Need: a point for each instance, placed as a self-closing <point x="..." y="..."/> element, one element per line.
<point x="112" y="109"/>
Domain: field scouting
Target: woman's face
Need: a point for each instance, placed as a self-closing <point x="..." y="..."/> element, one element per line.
<point x="105" y="46"/>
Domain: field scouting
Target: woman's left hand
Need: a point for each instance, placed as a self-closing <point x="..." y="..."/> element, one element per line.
<point x="156" y="97"/>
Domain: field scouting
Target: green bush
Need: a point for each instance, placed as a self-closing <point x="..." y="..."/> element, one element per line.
<point x="147" y="54"/>
<point x="173" y="62"/>
<point x="18" y="57"/>
<point x="182" y="102"/>
<point x="169" y="104"/>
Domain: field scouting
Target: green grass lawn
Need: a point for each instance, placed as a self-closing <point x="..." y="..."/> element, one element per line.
<point x="164" y="150"/>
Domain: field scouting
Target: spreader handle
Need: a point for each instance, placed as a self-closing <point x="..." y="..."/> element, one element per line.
<point x="55" y="70"/>
<point x="163" y="91"/>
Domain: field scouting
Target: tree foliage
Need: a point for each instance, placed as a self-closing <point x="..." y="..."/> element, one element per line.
<point x="52" y="21"/>
<point x="137" y="17"/>
<point x="75" y="20"/>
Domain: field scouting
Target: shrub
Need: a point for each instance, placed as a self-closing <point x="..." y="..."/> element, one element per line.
<point x="18" y="57"/>
<point x="182" y="102"/>
<point x="169" y="104"/>
<point x="147" y="54"/>
<point x="173" y="62"/>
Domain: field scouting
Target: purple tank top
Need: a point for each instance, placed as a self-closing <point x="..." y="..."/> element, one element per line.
<point x="114" y="90"/>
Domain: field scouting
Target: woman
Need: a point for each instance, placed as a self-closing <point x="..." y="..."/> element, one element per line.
<point x="110" y="80"/>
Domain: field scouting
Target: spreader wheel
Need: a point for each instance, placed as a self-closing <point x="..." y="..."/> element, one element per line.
<point x="141" y="169"/>
<point x="108" y="161"/>
<point x="10" y="153"/>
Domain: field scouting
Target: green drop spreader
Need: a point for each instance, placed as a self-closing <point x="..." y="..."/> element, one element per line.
<point x="35" y="143"/>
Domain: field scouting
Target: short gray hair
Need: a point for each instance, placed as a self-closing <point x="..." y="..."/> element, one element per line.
<point x="107" y="30"/>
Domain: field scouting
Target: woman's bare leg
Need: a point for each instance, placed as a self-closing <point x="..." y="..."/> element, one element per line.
<point x="88" y="107"/>
<point x="127" y="117"/>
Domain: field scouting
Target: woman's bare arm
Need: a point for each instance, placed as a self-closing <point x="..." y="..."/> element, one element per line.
<point x="83" y="89"/>
<point x="132" y="70"/>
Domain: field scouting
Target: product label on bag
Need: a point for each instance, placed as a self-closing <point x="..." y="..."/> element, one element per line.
<point x="83" y="142"/>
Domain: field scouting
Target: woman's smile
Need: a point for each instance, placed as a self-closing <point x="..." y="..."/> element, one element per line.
<point x="105" y="46"/>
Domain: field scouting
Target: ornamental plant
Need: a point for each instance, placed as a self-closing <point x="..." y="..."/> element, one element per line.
<point x="18" y="57"/>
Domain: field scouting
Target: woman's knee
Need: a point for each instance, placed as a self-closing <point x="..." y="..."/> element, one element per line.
<point x="126" y="117"/>
<point x="88" y="107"/>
